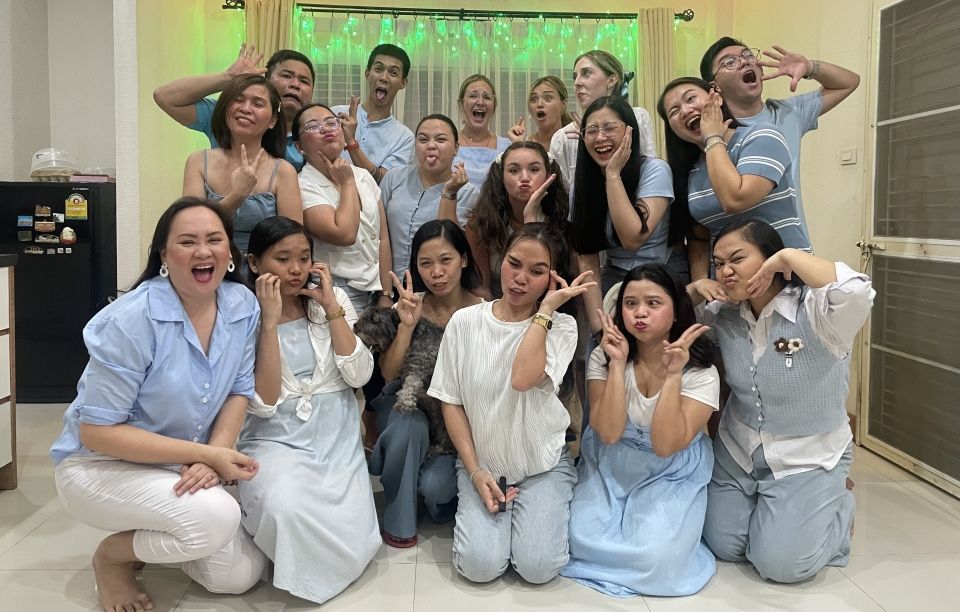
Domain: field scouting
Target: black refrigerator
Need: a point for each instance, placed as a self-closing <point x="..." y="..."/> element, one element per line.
<point x="65" y="236"/>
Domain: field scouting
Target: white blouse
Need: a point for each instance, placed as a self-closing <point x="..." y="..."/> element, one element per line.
<point x="516" y="434"/>
<point x="700" y="384"/>
<point x="359" y="263"/>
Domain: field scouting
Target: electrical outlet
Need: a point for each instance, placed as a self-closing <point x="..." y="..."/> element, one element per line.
<point x="848" y="157"/>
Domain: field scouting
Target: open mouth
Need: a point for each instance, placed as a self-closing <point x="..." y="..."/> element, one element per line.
<point x="243" y="120"/>
<point x="380" y="93"/>
<point x="519" y="293"/>
<point x="431" y="159"/>
<point x="749" y="76"/>
<point x="603" y="149"/>
<point x="438" y="286"/>
<point x="478" y="115"/>
<point x="292" y="98"/>
<point x="541" y="114"/>
<point x="693" y="124"/>
<point x="203" y="273"/>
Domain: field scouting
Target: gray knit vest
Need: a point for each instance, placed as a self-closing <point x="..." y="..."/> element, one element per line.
<point x="805" y="399"/>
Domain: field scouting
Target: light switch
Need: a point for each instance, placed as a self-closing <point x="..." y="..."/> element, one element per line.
<point x="848" y="157"/>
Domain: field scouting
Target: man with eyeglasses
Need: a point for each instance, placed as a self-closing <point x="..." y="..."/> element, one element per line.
<point x="186" y="100"/>
<point x="737" y="71"/>
<point x="376" y="139"/>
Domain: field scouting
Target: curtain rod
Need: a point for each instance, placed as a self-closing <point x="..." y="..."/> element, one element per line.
<point x="461" y="14"/>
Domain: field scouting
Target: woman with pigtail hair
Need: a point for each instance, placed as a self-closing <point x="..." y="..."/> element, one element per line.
<point x="523" y="186"/>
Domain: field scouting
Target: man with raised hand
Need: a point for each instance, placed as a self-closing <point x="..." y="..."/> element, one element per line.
<point x="737" y="71"/>
<point x="187" y="99"/>
<point x="376" y="140"/>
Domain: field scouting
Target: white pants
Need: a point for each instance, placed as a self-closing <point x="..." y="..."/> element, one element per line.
<point x="200" y="531"/>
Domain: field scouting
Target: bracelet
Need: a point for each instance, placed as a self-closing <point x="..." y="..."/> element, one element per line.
<point x="706" y="139"/>
<point x="713" y="144"/>
<point x="353" y="146"/>
<point x="449" y="195"/>
<point x="387" y="294"/>
<point x="474" y="473"/>
<point x="330" y="316"/>
<point x="813" y="71"/>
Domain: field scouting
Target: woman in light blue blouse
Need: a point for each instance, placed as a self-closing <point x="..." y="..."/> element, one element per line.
<point x="431" y="188"/>
<point x="151" y="433"/>
<point x="479" y="145"/>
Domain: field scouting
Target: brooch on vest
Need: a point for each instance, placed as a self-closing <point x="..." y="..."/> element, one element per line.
<point x="788" y="348"/>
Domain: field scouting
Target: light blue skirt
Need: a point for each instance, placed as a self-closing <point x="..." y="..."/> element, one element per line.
<point x="636" y="518"/>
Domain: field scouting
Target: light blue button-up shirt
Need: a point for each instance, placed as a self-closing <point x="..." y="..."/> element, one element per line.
<point x="147" y="367"/>
<point x="386" y="142"/>
<point x="408" y="206"/>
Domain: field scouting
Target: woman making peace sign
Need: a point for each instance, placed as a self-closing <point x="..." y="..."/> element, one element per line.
<point x="247" y="175"/>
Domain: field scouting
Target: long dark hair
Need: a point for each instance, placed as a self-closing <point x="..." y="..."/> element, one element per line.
<point x="452" y="234"/>
<point x="274" y="139"/>
<point x="590" y="206"/>
<point x="267" y="233"/>
<point x="162" y="233"/>
<point x="761" y="235"/>
<point x="681" y="156"/>
<point x="701" y="351"/>
<point x="490" y="218"/>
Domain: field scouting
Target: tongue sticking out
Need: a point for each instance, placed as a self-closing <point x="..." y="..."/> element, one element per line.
<point x="380" y="94"/>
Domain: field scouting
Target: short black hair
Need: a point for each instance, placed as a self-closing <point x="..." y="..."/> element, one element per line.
<point x="289" y="54"/>
<point x="391" y="51"/>
<point x="706" y="63"/>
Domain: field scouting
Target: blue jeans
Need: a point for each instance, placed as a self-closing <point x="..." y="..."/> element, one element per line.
<point x="400" y="460"/>
<point x="531" y="534"/>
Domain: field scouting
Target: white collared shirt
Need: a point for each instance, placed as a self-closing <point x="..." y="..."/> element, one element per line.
<point x="836" y="313"/>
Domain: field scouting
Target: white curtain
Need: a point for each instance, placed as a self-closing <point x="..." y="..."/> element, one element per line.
<point x="513" y="53"/>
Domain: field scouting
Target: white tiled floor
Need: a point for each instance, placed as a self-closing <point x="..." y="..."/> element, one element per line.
<point x="906" y="557"/>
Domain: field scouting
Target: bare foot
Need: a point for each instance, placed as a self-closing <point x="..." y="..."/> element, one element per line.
<point x="116" y="584"/>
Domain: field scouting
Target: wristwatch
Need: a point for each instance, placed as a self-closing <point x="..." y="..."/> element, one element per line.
<point x="543" y="320"/>
<point x="449" y="195"/>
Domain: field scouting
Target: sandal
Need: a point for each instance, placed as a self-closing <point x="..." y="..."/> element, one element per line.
<point x="396" y="542"/>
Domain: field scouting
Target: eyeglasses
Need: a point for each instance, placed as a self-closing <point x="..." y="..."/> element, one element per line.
<point x="734" y="62"/>
<point x="330" y="124"/>
<point x="609" y="129"/>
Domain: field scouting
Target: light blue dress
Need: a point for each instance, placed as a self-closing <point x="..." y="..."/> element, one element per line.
<point x="310" y="509"/>
<point x="636" y="519"/>
<point x="256" y="208"/>
<point x="477" y="160"/>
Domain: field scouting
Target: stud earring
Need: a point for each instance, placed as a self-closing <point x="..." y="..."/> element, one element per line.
<point x="164" y="272"/>
<point x="230" y="266"/>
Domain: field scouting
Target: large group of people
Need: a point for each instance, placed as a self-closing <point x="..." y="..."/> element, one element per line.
<point x="319" y="246"/>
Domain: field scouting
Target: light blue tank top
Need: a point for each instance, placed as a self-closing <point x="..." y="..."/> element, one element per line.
<point x="256" y="208"/>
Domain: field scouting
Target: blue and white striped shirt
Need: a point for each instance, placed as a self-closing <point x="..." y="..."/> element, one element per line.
<point x="759" y="150"/>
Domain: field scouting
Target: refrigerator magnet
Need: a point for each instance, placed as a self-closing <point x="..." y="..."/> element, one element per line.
<point x="24" y="221"/>
<point x="58" y="217"/>
<point x="25" y="236"/>
<point x="76" y="207"/>
<point x="47" y="239"/>
<point x="51" y="251"/>
<point x="33" y="250"/>
<point x="68" y="250"/>
<point x="68" y="236"/>
<point x="60" y="251"/>
<point x="45" y="226"/>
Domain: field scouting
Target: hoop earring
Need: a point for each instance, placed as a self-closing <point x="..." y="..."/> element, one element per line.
<point x="231" y="266"/>
<point x="164" y="272"/>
